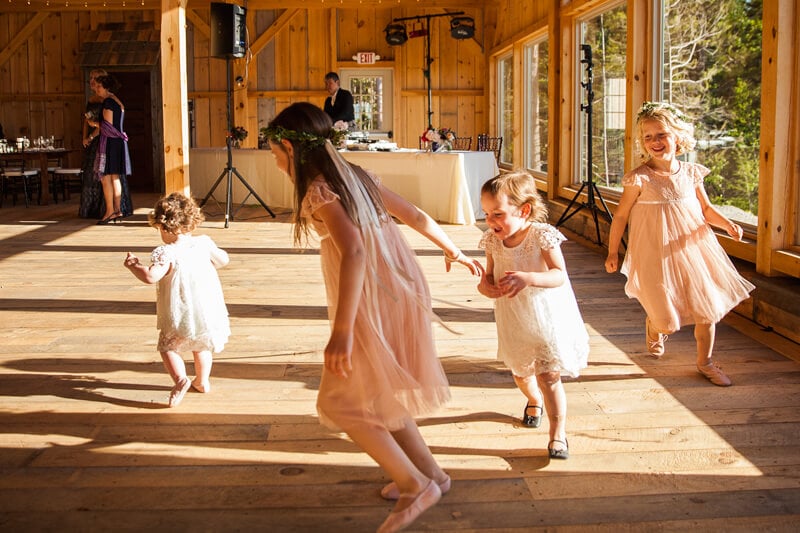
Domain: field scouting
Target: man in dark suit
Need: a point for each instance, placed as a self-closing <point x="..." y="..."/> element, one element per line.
<point x="339" y="105"/>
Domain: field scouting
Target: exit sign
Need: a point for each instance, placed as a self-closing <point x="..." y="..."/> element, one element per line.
<point x="366" y="58"/>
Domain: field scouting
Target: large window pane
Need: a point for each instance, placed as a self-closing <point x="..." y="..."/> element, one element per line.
<point x="505" y="107"/>
<point x="606" y="35"/>
<point x="372" y="97"/>
<point x="536" y="106"/>
<point x="712" y="71"/>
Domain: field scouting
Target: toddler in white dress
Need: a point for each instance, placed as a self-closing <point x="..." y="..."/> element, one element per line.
<point x="540" y="331"/>
<point x="190" y="306"/>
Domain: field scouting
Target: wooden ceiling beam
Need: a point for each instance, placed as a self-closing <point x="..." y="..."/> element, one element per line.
<point x="38" y="6"/>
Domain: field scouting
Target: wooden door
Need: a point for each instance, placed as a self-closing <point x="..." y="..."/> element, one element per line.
<point x="136" y="96"/>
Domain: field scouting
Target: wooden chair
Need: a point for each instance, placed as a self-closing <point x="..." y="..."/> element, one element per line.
<point x="15" y="177"/>
<point x="490" y="144"/>
<point x="462" y="143"/>
<point x="65" y="180"/>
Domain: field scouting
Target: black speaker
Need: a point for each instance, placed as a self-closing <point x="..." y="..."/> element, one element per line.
<point x="228" y="30"/>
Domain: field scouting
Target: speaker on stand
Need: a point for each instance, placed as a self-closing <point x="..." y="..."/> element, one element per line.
<point x="228" y="33"/>
<point x="228" y="30"/>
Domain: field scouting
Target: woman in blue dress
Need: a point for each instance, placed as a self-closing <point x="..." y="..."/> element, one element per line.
<point x="112" y="163"/>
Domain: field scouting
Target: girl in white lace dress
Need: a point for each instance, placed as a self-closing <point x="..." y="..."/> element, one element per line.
<point x="190" y="307"/>
<point x="540" y="331"/>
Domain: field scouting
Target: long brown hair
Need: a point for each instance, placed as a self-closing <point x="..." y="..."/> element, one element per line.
<point x="311" y="125"/>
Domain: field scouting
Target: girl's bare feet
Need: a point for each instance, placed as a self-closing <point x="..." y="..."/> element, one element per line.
<point x="179" y="391"/>
<point x="201" y="387"/>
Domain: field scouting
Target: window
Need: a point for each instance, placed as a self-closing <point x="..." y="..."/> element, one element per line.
<point x="711" y="70"/>
<point x="372" y="97"/>
<point x="536" y="105"/>
<point x="603" y="40"/>
<point x="505" y="105"/>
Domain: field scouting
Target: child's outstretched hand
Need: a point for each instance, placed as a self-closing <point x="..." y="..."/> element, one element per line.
<point x="475" y="267"/>
<point x="131" y="260"/>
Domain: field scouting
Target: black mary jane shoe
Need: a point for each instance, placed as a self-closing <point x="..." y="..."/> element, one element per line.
<point x="558" y="454"/>
<point x="531" y="421"/>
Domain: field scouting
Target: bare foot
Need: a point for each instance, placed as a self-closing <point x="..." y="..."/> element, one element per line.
<point x="201" y="387"/>
<point x="179" y="391"/>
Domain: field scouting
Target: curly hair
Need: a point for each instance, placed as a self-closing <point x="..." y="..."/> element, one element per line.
<point x="176" y="214"/>
<point x="672" y="119"/>
<point x="520" y="188"/>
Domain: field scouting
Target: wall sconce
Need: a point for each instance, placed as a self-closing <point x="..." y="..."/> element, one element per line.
<point x="395" y="34"/>
<point x="462" y="27"/>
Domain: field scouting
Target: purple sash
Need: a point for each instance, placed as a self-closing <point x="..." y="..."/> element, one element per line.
<point x="108" y="131"/>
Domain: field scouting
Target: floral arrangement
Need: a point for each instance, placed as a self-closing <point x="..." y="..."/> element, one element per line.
<point x="443" y="137"/>
<point x="431" y="135"/>
<point x="339" y="133"/>
<point x="238" y="133"/>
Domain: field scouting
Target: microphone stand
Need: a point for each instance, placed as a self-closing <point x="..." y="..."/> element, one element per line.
<point x="229" y="169"/>
<point x="588" y="184"/>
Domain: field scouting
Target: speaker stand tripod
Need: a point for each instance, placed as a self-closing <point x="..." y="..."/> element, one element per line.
<point x="229" y="171"/>
<point x="588" y="185"/>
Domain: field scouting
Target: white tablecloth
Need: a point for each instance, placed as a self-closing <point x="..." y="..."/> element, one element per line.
<point x="444" y="185"/>
<point x="257" y="167"/>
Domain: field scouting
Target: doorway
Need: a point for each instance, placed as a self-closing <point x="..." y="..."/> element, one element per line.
<point x="136" y="95"/>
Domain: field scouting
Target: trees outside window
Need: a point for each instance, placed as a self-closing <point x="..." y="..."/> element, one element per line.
<point x="606" y="34"/>
<point x="505" y="106"/>
<point x="536" y="105"/>
<point x="712" y="71"/>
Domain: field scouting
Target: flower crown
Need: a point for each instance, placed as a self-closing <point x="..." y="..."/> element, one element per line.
<point x="649" y="108"/>
<point x="306" y="139"/>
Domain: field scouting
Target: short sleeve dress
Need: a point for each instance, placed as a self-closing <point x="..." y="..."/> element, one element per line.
<point x="396" y="372"/>
<point x="190" y="306"/>
<point x="675" y="266"/>
<point x="540" y="329"/>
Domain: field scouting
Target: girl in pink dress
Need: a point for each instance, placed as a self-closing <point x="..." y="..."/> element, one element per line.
<point x="675" y="266"/>
<point x="381" y="367"/>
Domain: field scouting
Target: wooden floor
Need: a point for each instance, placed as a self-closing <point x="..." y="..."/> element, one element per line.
<point x="87" y="444"/>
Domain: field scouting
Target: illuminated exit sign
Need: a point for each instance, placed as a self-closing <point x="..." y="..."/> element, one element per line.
<point x="366" y="58"/>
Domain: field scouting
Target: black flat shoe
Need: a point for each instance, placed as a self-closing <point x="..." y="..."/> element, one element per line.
<point x="532" y="421"/>
<point x="558" y="454"/>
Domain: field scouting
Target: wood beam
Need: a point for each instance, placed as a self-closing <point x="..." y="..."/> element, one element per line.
<point x="40" y="6"/>
<point x="198" y="23"/>
<point x="174" y="90"/>
<point x="269" y="34"/>
<point x="22" y="36"/>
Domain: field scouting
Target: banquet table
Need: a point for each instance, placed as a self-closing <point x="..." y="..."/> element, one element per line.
<point x="40" y="158"/>
<point x="446" y="185"/>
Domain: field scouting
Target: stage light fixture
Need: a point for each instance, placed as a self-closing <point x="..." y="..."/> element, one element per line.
<point x="395" y="34"/>
<point x="462" y="27"/>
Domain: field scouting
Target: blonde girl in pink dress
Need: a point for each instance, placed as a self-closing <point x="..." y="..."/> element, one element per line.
<point x="675" y="266"/>
<point x="381" y="368"/>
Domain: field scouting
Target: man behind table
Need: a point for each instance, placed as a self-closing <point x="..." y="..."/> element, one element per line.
<point x="339" y="105"/>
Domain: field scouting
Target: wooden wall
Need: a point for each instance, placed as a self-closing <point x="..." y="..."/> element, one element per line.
<point x="43" y="89"/>
<point x="311" y="42"/>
